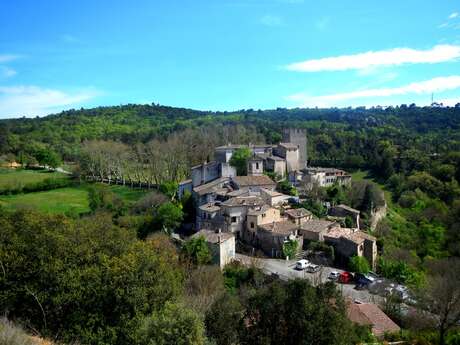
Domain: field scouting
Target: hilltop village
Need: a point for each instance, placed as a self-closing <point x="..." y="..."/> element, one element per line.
<point x="249" y="210"/>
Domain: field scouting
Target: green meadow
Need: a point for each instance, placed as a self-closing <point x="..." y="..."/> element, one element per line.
<point x="63" y="200"/>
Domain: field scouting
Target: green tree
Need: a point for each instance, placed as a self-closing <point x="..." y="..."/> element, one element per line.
<point x="240" y="159"/>
<point x="198" y="251"/>
<point x="48" y="157"/>
<point x="174" y="324"/>
<point x="297" y="313"/>
<point x="168" y="217"/>
<point x="359" y="264"/>
<point x="85" y="279"/>
<point x="223" y="320"/>
<point x="169" y="189"/>
<point x="290" y="248"/>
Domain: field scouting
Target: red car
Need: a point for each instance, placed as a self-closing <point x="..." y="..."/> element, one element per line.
<point x="345" y="278"/>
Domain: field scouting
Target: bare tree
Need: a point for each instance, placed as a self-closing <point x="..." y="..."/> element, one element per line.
<point x="440" y="298"/>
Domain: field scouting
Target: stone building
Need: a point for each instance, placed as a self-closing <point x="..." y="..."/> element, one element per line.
<point x="353" y="242"/>
<point x="272" y="236"/>
<point x="315" y="229"/>
<point x="298" y="215"/>
<point x="221" y="246"/>
<point x="321" y="177"/>
<point x="297" y="136"/>
<point x="255" y="166"/>
<point x="344" y="211"/>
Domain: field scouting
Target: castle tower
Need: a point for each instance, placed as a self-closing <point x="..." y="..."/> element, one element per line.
<point x="297" y="136"/>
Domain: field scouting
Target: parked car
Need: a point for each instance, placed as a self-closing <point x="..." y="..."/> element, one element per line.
<point x="345" y="278"/>
<point x="301" y="264"/>
<point x="360" y="286"/>
<point x="334" y="275"/>
<point x="363" y="279"/>
<point x="312" y="268"/>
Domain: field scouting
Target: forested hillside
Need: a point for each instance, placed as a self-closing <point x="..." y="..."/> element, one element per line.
<point x="134" y="289"/>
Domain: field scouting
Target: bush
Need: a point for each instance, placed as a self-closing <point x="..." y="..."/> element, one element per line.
<point x="198" y="251"/>
<point x="359" y="264"/>
<point x="290" y="249"/>
<point x="47" y="184"/>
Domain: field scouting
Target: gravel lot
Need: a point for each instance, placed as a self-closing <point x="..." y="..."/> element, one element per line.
<point x="285" y="270"/>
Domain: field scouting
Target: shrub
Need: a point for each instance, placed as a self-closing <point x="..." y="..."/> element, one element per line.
<point x="359" y="264"/>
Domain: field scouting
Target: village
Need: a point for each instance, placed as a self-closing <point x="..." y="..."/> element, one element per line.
<point x="242" y="217"/>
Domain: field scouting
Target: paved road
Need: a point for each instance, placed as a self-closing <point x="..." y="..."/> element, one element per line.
<point x="285" y="269"/>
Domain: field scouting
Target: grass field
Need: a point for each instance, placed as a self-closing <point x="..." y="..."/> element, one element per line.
<point x="61" y="200"/>
<point x="129" y="195"/>
<point x="11" y="177"/>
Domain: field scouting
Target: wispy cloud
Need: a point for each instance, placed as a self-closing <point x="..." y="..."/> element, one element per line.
<point x="439" y="84"/>
<point x="270" y="20"/>
<point x="33" y="100"/>
<point x="453" y="15"/>
<point x="392" y="57"/>
<point x="8" y="57"/>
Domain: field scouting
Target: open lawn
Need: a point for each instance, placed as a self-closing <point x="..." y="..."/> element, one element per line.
<point x="129" y="195"/>
<point x="12" y="177"/>
<point x="71" y="199"/>
<point x="54" y="201"/>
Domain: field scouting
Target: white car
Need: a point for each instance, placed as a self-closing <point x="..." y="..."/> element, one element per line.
<point x="334" y="275"/>
<point x="312" y="268"/>
<point x="301" y="264"/>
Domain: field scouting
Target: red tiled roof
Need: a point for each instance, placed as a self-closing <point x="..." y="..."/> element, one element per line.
<point x="371" y="314"/>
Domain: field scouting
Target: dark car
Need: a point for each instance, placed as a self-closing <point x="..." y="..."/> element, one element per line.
<point x="360" y="286"/>
<point x="361" y="279"/>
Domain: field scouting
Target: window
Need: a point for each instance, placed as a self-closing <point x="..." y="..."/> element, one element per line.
<point x="233" y="219"/>
<point x="252" y="225"/>
<point x="257" y="166"/>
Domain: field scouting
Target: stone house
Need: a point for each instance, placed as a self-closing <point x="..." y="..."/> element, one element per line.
<point x="298" y="215"/>
<point x="221" y="246"/>
<point x="344" y="211"/>
<point x="273" y="198"/>
<point x="255" y="166"/>
<point x="270" y="237"/>
<point x="253" y="183"/>
<point x="258" y="216"/>
<point x="315" y="229"/>
<point x="352" y="242"/>
<point x="235" y="210"/>
<point x="276" y="165"/>
<point x="322" y="177"/>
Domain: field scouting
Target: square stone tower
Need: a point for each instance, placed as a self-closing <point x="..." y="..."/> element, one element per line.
<point x="297" y="136"/>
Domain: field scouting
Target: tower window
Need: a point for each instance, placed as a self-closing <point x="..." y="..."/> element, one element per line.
<point x="257" y="166"/>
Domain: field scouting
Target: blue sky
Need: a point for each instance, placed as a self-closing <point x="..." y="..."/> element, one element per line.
<point x="226" y="54"/>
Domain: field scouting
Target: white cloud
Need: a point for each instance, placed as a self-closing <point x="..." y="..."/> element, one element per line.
<point x="270" y="20"/>
<point x="392" y="57"/>
<point x="453" y="15"/>
<point x="33" y="100"/>
<point x="439" y="84"/>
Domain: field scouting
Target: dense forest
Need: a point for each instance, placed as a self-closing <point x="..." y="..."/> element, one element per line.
<point x="142" y="286"/>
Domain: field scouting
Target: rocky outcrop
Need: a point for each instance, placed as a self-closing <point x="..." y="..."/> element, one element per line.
<point x="377" y="214"/>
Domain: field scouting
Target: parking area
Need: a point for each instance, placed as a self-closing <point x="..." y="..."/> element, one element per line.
<point x="285" y="269"/>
